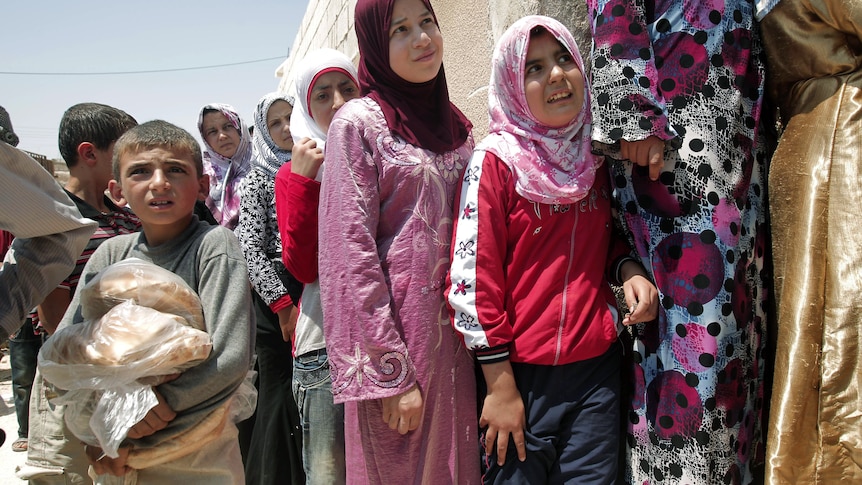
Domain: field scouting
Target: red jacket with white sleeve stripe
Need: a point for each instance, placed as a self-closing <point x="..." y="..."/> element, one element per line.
<point x="529" y="281"/>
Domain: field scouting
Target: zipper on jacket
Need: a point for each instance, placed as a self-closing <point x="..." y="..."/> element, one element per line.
<point x="565" y="304"/>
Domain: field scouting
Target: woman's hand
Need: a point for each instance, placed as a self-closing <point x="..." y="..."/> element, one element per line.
<point x="646" y="153"/>
<point x="306" y="158"/>
<point x="404" y="411"/>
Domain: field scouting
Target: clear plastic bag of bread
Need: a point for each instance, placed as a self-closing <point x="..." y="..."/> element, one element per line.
<point x="147" y="285"/>
<point x="108" y="363"/>
<point x="130" y="343"/>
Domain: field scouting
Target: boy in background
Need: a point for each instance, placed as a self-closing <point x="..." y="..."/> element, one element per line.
<point x="86" y="140"/>
<point x="88" y="132"/>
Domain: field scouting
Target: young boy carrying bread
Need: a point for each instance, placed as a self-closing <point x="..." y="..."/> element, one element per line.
<point x="189" y="436"/>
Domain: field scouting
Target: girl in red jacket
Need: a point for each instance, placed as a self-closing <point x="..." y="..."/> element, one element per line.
<point x="532" y="254"/>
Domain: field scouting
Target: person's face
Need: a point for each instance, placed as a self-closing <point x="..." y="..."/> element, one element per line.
<point x="553" y="84"/>
<point x="161" y="187"/>
<point x="220" y="134"/>
<point x="415" y="42"/>
<point x="278" y="124"/>
<point x="329" y="93"/>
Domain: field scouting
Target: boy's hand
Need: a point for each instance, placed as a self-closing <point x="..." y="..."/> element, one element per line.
<point x="641" y="295"/>
<point x="155" y="420"/>
<point x="306" y="158"/>
<point x="646" y="153"/>
<point x="404" y="411"/>
<point x="287" y="321"/>
<point x="105" y="465"/>
<point x="503" y="412"/>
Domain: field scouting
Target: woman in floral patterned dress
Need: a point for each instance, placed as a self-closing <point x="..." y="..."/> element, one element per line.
<point x="274" y="453"/>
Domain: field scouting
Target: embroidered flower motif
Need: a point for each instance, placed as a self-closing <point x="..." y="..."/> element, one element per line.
<point x="462" y="287"/>
<point x="469" y="210"/>
<point x="465" y="248"/>
<point x="466" y="321"/>
<point x="392" y="370"/>
<point x="359" y="364"/>
<point x="471" y="175"/>
<point x="449" y="165"/>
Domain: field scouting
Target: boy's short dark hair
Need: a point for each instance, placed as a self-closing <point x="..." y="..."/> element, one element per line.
<point x="95" y="123"/>
<point x="157" y="134"/>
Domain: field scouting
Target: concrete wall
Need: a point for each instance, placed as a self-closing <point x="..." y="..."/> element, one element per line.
<point x="470" y="28"/>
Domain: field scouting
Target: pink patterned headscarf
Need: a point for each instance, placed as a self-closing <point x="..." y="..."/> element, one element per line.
<point x="551" y="165"/>
<point x="226" y="174"/>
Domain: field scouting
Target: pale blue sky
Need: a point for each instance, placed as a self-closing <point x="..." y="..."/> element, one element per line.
<point x="60" y="36"/>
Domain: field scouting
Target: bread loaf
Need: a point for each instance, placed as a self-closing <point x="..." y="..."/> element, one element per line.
<point x="130" y="335"/>
<point x="147" y="285"/>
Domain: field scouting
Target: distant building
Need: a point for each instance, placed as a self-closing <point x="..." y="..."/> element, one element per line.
<point x="43" y="160"/>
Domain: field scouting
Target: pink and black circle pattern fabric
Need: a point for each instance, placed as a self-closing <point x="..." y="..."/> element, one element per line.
<point x="690" y="73"/>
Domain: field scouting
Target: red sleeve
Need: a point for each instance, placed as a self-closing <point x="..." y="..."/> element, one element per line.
<point x="296" y="201"/>
<point x="477" y="292"/>
<point x="6" y="238"/>
<point x="281" y="303"/>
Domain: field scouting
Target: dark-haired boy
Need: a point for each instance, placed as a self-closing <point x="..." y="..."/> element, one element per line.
<point x="87" y="134"/>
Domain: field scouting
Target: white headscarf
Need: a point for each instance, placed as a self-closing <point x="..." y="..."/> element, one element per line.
<point x="270" y="157"/>
<point x="226" y="174"/>
<point x="551" y="165"/>
<point x="315" y="64"/>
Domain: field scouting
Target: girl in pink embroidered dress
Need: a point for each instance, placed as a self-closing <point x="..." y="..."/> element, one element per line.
<point x="393" y="160"/>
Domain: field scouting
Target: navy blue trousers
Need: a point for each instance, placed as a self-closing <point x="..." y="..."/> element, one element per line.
<point x="573" y="424"/>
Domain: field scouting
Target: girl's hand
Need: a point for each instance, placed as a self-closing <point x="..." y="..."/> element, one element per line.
<point x="287" y="321"/>
<point x="306" y="158"/>
<point x="646" y="153"/>
<point x="503" y="412"/>
<point x="404" y="411"/>
<point x="641" y="295"/>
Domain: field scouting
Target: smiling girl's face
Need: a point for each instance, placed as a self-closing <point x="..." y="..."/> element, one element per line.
<point x="553" y="84"/>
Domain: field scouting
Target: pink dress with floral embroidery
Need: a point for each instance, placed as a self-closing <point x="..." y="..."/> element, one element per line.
<point x="385" y="231"/>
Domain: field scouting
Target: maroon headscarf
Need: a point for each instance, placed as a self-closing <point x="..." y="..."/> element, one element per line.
<point x="421" y="114"/>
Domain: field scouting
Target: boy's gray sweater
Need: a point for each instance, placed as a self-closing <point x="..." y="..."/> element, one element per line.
<point x="210" y="260"/>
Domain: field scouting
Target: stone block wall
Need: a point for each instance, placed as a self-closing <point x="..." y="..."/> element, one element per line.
<point x="470" y="28"/>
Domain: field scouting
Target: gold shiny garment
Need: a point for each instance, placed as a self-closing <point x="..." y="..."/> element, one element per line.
<point x="814" y="54"/>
